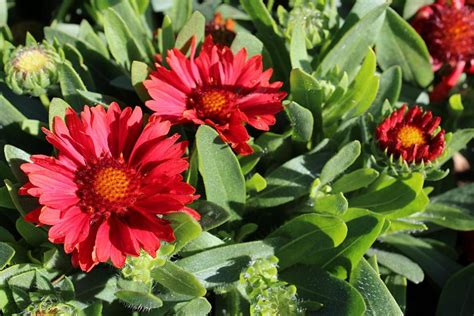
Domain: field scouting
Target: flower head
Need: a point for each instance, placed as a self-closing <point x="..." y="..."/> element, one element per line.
<point x="106" y="191"/>
<point x="32" y="69"/>
<point x="411" y="136"/>
<point x="448" y="30"/>
<point x="222" y="30"/>
<point x="216" y="88"/>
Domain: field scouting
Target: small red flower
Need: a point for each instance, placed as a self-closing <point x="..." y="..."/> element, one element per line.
<point x="104" y="193"/>
<point x="448" y="30"/>
<point x="411" y="135"/>
<point x="216" y="88"/>
<point x="222" y="30"/>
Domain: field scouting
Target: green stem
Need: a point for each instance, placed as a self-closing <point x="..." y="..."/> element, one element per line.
<point x="63" y="9"/>
<point x="45" y="100"/>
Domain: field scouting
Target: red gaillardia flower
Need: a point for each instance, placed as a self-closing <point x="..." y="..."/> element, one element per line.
<point x="222" y="30"/>
<point x="216" y="88"/>
<point x="411" y="136"/>
<point x="106" y="191"/>
<point x="447" y="27"/>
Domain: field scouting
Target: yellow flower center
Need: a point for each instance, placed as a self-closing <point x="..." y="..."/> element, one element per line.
<point x="31" y="60"/>
<point x="112" y="184"/>
<point x="213" y="102"/>
<point x="411" y="135"/>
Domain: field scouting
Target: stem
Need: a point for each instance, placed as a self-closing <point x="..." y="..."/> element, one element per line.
<point x="45" y="100"/>
<point x="63" y="9"/>
<point x="57" y="280"/>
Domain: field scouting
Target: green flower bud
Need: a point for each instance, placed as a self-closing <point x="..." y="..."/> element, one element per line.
<point x="50" y="305"/>
<point x="267" y="294"/>
<point x="315" y="23"/>
<point x="139" y="268"/>
<point x="32" y="69"/>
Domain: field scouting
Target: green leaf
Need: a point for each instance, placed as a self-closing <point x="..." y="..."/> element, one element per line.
<point x="57" y="107"/>
<point x="307" y="92"/>
<point x="397" y="285"/>
<point x="94" y="98"/>
<point x="256" y="183"/>
<point x="193" y="27"/>
<point x="298" y="54"/>
<point x="301" y="121"/>
<point x="452" y="209"/>
<point x="3" y="13"/>
<point x="398" y="264"/>
<point x="166" y="38"/>
<point x="358" y="98"/>
<point x="268" y="33"/>
<point x="434" y="263"/>
<point x="457" y="296"/>
<point x="388" y="195"/>
<point x="185" y="228"/>
<point x="212" y="215"/>
<point x="418" y="204"/>
<point x="344" y="158"/>
<point x="205" y="241"/>
<point x="307" y="235"/>
<point x="73" y="55"/>
<point x="363" y="228"/>
<point x="223" y="265"/>
<point x="399" y="44"/>
<point x="139" y="300"/>
<point x="139" y="73"/>
<point x="454" y="143"/>
<point x="70" y="83"/>
<point x="389" y="89"/>
<point x="10" y="114"/>
<point x="335" y="204"/>
<point x="136" y="24"/>
<point x="247" y="163"/>
<point x="349" y="48"/>
<point x="95" y="309"/>
<point x="248" y="41"/>
<point x="293" y="179"/>
<point x="178" y="280"/>
<point x="6" y="254"/>
<point x="444" y="215"/>
<point x="220" y="170"/>
<point x="5" y="199"/>
<point x="5" y="235"/>
<point x="180" y="13"/>
<point x="404" y="225"/>
<point x="378" y="299"/>
<point x="34" y="236"/>
<point x="122" y="44"/>
<point x="88" y="35"/>
<point x="15" y="158"/>
<point x="355" y="180"/>
<point x="198" y="306"/>
<point x="337" y="296"/>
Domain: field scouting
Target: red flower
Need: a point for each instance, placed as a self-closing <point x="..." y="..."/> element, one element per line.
<point x="222" y="30"/>
<point x="216" y="88"/>
<point x="448" y="30"/>
<point x="411" y="135"/>
<point x="104" y="194"/>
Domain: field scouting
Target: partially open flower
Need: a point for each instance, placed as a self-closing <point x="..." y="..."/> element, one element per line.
<point x="222" y="30"/>
<point x="32" y="69"/>
<point x="411" y="136"/>
<point x="113" y="180"/>
<point x="216" y="88"/>
<point x="447" y="27"/>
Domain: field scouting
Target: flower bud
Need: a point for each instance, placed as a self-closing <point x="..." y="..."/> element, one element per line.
<point x="32" y="69"/>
